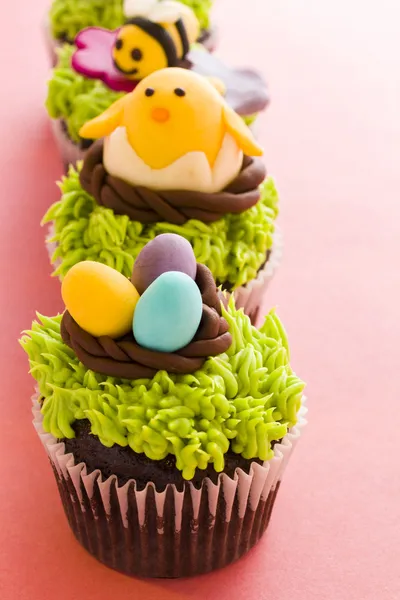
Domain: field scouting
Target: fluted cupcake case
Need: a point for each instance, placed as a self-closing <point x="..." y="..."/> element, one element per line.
<point x="171" y="533"/>
<point x="250" y="296"/>
<point x="70" y="153"/>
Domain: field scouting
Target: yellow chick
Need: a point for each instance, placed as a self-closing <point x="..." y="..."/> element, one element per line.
<point x="160" y="39"/>
<point x="176" y="125"/>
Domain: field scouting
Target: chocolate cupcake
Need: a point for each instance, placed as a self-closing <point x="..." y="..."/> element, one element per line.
<point x="104" y="64"/>
<point x="175" y="158"/>
<point x="167" y="417"/>
<point x="68" y="17"/>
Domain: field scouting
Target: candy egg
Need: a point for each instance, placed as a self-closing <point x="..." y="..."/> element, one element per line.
<point x="99" y="298"/>
<point x="167" y="252"/>
<point x="168" y="314"/>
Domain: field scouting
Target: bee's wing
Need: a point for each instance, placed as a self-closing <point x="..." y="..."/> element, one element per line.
<point x="167" y="11"/>
<point x="138" y="8"/>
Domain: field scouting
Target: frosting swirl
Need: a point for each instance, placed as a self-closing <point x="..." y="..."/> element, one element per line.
<point x="126" y="359"/>
<point x="174" y="206"/>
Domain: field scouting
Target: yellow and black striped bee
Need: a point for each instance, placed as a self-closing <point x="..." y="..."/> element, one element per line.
<point x="159" y="40"/>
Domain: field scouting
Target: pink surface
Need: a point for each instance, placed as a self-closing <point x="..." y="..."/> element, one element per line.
<point x="332" y="137"/>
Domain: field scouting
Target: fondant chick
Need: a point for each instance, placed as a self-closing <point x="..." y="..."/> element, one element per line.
<point x="158" y="34"/>
<point x="174" y="131"/>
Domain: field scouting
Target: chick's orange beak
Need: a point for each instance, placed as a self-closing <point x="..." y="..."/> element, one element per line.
<point x="161" y="115"/>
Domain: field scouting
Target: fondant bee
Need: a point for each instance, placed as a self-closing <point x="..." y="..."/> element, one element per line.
<point x="150" y="42"/>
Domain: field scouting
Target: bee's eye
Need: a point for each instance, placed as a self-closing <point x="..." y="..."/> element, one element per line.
<point x="148" y="92"/>
<point x="137" y="54"/>
<point x="118" y="44"/>
<point x="179" y="92"/>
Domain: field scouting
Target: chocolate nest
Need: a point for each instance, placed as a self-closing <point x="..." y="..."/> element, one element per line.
<point x="174" y="206"/>
<point x="124" y="358"/>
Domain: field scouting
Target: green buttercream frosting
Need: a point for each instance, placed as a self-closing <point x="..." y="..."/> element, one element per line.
<point x="249" y="119"/>
<point x="74" y="98"/>
<point x="68" y="17"/>
<point x="233" y="248"/>
<point x="243" y="399"/>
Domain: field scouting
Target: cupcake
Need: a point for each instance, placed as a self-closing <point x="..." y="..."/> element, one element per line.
<point x="174" y="158"/>
<point x="68" y="17"/>
<point x="167" y="417"/>
<point x="102" y="65"/>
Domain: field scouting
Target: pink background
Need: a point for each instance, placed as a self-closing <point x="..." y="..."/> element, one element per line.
<point x="332" y="138"/>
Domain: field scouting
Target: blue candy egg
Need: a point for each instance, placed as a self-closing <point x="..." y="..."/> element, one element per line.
<point x="168" y="314"/>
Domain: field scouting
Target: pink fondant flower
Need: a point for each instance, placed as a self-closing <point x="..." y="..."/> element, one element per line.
<point x="93" y="58"/>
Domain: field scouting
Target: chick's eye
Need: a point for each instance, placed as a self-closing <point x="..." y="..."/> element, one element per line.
<point x="149" y="92"/>
<point x="179" y="92"/>
<point x="118" y="44"/>
<point x="137" y="54"/>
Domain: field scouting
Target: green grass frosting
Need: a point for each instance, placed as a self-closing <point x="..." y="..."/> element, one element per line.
<point x="74" y="98"/>
<point x="233" y="248"/>
<point x="68" y="17"/>
<point x="243" y="399"/>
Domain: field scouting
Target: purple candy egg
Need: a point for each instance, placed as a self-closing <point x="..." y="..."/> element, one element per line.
<point x="167" y="252"/>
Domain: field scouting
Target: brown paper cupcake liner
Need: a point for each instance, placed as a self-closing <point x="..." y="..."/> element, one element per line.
<point x="70" y="152"/>
<point x="171" y="533"/>
<point x="51" y="43"/>
<point x="249" y="296"/>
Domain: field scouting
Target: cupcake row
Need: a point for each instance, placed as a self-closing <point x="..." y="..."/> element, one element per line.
<point x="167" y="415"/>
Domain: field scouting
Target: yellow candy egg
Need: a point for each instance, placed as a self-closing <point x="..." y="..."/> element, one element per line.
<point x="99" y="298"/>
